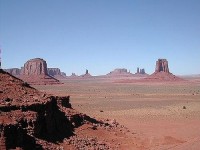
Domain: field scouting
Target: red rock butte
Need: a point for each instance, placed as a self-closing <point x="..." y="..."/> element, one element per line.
<point x="35" y="72"/>
<point x="56" y="73"/>
<point x="162" y="72"/>
<point x="86" y="75"/>
<point x="35" y="66"/>
<point x="119" y="72"/>
<point x="162" y="65"/>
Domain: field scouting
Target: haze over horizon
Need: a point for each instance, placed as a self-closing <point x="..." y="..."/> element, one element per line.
<point x="101" y="35"/>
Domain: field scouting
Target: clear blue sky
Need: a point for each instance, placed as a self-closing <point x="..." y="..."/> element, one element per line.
<point x="101" y="35"/>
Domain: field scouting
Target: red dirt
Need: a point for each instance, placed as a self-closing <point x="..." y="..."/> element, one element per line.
<point x="30" y="119"/>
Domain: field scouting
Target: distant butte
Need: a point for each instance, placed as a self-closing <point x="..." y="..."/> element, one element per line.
<point x="14" y="71"/>
<point x="73" y="75"/>
<point x="119" y="72"/>
<point x="56" y="73"/>
<point x="87" y="74"/>
<point x="35" y="72"/>
<point x="140" y="72"/>
<point x="162" y="72"/>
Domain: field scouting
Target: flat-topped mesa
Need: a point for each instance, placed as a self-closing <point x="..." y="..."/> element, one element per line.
<point x="35" y="72"/>
<point x="162" y="65"/>
<point x="13" y="71"/>
<point x="56" y="73"/>
<point x="53" y="71"/>
<point x="120" y="70"/>
<point x="36" y="67"/>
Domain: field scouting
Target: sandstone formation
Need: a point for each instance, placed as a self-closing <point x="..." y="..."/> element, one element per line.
<point x="73" y="75"/>
<point x="119" y="72"/>
<point x="140" y="71"/>
<point x="35" y="72"/>
<point x="14" y="71"/>
<point x="162" y="72"/>
<point x="56" y="73"/>
<point x="86" y="72"/>
<point x="86" y="75"/>
<point x="63" y="74"/>
<point x="35" y="67"/>
<point x="53" y="71"/>
<point x="123" y="70"/>
<point x="31" y="120"/>
<point x="162" y="65"/>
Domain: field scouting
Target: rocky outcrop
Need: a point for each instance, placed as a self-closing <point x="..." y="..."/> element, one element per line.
<point x="35" y="67"/>
<point x="30" y="119"/>
<point x="86" y="72"/>
<point x="56" y="73"/>
<point x="86" y="75"/>
<point x="73" y="75"/>
<point x="162" y="72"/>
<point x="13" y="71"/>
<point x="35" y="72"/>
<point x="53" y="71"/>
<point x="63" y="74"/>
<point x="162" y="65"/>
<point x="140" y="71"/>
<point x="28" y="115"/>
<point x="120" y="72"/>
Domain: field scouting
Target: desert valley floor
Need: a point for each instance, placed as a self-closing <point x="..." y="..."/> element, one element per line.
<point x="159" y="115"/>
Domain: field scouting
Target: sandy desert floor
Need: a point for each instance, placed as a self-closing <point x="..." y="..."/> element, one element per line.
<point x="159" y="115"/>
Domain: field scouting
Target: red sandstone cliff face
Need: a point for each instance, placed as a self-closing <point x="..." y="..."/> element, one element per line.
<point x="31" y="120"/>
<point x="56" y="73"/>
<point x="35" y="67"/>
<point x="119" y="73"/>
<point x="35" y="72"/>
<point x="162" y="65"/>
<point x="162" y="72"/>
<point x="53" y="71"/>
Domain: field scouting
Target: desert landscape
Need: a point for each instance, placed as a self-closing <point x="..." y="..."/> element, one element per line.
<point x="99" y="75"/>
<point x="120" y="110"/>
<point x="161" y="115"/>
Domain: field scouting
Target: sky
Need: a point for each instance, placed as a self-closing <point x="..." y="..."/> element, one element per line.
<point x="101" y="35"/>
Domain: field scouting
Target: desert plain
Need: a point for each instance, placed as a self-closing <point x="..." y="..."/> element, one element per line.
<point x="158" y="115"/>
